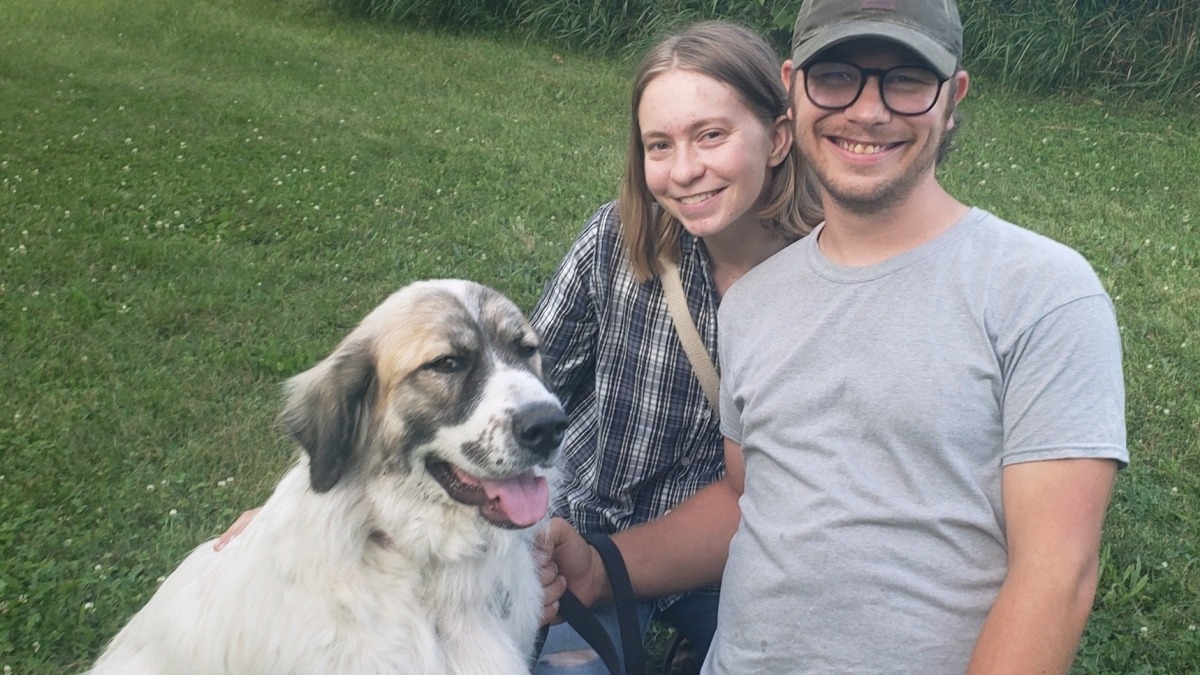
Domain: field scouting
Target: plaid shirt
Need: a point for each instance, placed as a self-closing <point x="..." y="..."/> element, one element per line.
<point x="642" y="437"/>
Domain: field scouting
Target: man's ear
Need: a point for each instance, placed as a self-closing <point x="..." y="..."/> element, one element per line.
<point x="786" y="72"/>
<point x="964" y="82"/>
<point x="781" y="139"/>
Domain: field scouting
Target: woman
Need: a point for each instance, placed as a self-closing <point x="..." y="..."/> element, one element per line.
<point x="711" y="182"/>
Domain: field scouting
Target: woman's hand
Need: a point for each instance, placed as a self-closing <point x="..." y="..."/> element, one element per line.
<point x="234" y="530"/>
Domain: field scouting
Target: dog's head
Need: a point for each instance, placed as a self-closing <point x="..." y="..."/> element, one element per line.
<point x="442" y="382"/>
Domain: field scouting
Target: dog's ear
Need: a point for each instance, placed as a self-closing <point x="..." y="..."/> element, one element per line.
<point x="325" y="408"/>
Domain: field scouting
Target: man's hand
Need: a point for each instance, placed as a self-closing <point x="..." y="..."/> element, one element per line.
<point x="567" y="561"/>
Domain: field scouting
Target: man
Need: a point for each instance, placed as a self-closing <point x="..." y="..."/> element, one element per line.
<point x="923" y="428"/>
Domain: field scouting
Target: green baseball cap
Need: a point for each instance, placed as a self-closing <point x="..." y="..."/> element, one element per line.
<point x="931" y="28"/>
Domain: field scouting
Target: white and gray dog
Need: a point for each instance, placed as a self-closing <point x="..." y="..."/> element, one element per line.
<point x="401" y="541"/>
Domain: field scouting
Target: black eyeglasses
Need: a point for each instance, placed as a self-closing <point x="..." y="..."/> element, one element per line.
<point x="904" y="90"/>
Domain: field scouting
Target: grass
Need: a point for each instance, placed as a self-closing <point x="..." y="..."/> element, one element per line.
<point x="1133" y="49"/>
<point x="199" y="199"/>
<point x="1139" y="50"/>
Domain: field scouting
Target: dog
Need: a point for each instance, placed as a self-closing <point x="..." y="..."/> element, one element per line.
<point x="402" y="539"/>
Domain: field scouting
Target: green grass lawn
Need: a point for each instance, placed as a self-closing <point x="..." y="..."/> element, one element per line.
<point x="199" y="199"/>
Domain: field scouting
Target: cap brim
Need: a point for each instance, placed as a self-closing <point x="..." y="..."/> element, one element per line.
<point x="941" y="59"/>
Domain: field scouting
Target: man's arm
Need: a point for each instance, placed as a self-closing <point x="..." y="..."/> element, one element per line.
<point x="684" y="550"/>
<point x="1053" y="513"/>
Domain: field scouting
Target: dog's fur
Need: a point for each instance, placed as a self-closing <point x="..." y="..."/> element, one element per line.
<point x="374" y="554"/>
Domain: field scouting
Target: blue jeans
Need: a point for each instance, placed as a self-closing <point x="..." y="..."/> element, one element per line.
<point x="567" y="653"/>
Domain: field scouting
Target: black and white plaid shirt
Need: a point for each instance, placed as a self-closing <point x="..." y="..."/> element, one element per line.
<point x="642" y="437"/>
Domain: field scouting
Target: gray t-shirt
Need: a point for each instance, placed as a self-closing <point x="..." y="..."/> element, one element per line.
<point x="876" y="407"/>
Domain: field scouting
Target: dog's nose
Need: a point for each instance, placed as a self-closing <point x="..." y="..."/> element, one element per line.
<point x="539" y="428"/>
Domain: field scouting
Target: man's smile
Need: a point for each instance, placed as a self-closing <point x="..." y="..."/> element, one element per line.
<point x="863" y="148"/>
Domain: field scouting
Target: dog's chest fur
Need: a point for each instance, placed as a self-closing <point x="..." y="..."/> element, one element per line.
<point x="365" y="599"/>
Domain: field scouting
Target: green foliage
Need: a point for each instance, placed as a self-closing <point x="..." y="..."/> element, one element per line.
<point x="1148" y="49"/>
<point x="1144" y="48"/>
<point x="456" y="14"/>
<point x="630" y="26"/>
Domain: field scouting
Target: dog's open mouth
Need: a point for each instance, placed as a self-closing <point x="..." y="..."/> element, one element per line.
<point x="515" y="502"/>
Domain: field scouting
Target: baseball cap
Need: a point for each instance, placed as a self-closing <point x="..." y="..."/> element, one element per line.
<point x="931" y="28"/>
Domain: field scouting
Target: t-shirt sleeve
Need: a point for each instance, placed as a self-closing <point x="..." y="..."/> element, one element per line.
<point x="727" y="329"/>
<point x="1064" y="394"/>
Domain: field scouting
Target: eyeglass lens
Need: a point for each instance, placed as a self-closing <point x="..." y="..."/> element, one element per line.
<point x="905" y="90"/>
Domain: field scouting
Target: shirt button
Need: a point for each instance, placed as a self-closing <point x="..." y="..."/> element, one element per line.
<point x="686" y="461"/>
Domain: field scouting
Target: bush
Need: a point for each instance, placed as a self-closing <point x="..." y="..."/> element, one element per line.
<point x="458" y="14"/>
<point x="630" y="26"/>
<point x="1148" y="48"/>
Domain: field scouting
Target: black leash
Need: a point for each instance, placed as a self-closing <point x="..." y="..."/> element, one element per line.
<point x="589" y="627"/>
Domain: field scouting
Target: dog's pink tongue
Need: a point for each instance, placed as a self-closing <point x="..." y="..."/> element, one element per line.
<point x="521" y="500"/>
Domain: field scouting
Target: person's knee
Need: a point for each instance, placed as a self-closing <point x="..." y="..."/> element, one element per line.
<point x="569" y="661"/>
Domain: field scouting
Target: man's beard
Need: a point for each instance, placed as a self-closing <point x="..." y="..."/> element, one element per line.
<point x="893" y="192"/>
<point x="879" y="198"/>
<point x="883" y="196"/>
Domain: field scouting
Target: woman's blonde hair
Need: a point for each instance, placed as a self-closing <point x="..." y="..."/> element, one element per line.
<point x="739" y="58"/>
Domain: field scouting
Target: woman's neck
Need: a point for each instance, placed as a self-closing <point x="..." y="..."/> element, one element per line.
<point x="732" y="254"/>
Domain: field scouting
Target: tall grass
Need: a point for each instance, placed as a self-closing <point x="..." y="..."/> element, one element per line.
<point x="199" y="199"/>
<point x="628" y="27"/>
<point x="1148" y="49"/>
<point x="1144" y="49"/>
<point x="456" y="14"/>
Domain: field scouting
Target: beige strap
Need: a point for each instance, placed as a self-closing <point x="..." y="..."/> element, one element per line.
<point x="693" y="346"/>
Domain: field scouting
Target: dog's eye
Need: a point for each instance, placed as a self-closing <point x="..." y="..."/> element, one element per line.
<point x="525" y="350"/>
<point x="447" y="364"/>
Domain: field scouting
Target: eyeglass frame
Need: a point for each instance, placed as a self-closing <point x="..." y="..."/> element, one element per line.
<point x="865" y="74"/>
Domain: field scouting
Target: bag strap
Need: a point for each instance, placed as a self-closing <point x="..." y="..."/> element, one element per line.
<point x="693" y="346"/>
<point x="589" y="627"/>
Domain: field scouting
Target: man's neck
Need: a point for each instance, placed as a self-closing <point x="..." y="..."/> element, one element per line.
<point x="857" y="238"/>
